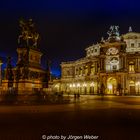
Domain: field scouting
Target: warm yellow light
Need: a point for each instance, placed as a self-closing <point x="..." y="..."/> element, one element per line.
<point x="92" y="84"/>
<point x="73" y="85"/>
<point x="78" y="85"/>
<point x="110" y="86"/>
<point x="84" y="85"/>
<point x="56" y="86"/>
<point x="138" y="83"/>
<point x="33" y="85"/>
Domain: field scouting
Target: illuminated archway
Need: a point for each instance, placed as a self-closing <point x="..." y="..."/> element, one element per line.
<point x="111" y="85"/>
<point x="132" y="87"/>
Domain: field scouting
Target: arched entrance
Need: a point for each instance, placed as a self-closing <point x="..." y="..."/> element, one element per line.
<point x="111" y="85"/>
<point x="132" y="87"/>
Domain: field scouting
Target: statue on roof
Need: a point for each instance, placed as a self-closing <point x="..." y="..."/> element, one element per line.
<point x="113" y="33"/>
<point x="130" y="29"/>
<point x="102" y="40"/>
<point x="29" y="36"/>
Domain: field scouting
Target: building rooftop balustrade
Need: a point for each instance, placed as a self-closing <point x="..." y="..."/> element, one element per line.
<point x="69" y="62"/>
<point x="112" y="71"/>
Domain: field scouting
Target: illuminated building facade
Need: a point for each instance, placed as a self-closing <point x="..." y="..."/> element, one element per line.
<point x="109" y="67"/>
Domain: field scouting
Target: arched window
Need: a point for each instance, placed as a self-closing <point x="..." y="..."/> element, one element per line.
<point x="131" y="67"/>
<point x="131" y="83"/>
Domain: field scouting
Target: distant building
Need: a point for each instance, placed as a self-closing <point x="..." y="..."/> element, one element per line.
<point x="109" y="67"/>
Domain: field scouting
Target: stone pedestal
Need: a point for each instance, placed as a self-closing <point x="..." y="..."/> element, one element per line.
<point x="23" y="86"/>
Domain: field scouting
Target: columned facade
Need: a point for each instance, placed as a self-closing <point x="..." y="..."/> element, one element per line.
<point x="110" y="67"/>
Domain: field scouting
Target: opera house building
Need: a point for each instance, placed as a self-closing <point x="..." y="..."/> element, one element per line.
<point x="111" y="66"/>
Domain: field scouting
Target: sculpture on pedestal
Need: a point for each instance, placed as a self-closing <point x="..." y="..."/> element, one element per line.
<point x="114" y="34"/>
<point x="28" y="37"/>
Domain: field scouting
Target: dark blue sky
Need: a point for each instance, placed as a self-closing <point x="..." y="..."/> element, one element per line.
<point x="66" y="27"/>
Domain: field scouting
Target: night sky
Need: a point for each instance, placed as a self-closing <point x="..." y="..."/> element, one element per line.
<point x="66" y="27"/>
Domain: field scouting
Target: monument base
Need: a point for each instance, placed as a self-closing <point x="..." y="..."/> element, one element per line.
<point x="22" y="86"/>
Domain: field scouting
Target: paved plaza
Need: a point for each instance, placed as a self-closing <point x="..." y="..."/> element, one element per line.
<point x="104" y="118"/>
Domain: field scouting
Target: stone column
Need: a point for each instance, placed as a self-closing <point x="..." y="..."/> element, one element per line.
<point x="96" y="67"/>
<point x="137" y="63"/>
<point x="103" y="64"/>
<point x="120" y="63"/>
<point x="89" y="69"/>
<point x="125" y="63"/>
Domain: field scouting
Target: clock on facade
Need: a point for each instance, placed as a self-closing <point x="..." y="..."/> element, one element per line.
<point x="112" y="51"/>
